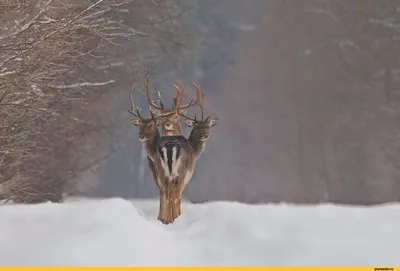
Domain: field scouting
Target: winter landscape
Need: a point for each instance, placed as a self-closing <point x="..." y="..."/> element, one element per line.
<point x="293" y="158"/>
<point x="116" y="232"/>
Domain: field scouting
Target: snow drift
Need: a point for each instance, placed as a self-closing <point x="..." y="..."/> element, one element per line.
<point x="121" y="233"/>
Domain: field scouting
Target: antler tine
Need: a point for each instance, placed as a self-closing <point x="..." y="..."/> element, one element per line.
<point x="179" y="94"/>
<point x="148" y="98"/>
<point x="185" y="116"/>
<point x="134" y="111"/>
<point x="199" y="101"/>
<point x="131" y="98"/>
<point x="190" y="104"/>
<point x="178" y="100"/>
<point x="161" y="99"/>
<point x="200" y="98"/>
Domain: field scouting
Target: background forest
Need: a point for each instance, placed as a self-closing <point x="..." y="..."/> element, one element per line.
<point x="307" y="93"/>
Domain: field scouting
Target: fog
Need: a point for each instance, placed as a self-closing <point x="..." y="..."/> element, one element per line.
<point x="302" y="112"/>
<point x="307" y="94"/>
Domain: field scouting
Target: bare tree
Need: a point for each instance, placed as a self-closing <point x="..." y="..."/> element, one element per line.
<point x="47" y="50"/>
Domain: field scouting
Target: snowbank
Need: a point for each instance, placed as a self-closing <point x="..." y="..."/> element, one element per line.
<point x="119" y="232"/>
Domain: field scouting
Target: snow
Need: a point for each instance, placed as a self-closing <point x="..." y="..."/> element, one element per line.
<point x="104" y="232"/>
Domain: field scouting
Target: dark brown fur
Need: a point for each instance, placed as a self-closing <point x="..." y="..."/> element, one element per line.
<point x="171" y="187"/>
<point x="172" y="183"/>
<point x="172" y="157"/>
<point x="199" y="135"/>
<point x="150" y="139"/>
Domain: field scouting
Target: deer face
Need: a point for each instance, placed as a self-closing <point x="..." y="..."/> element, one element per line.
<point x="201" y="128"/>
<point x="170" y="123"/>
<point x="147" y="128"/>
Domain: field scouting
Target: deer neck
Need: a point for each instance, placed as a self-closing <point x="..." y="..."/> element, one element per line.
<point x="150" y="145"/>
<point x="175" y="132"/>
<point x="197" y="145"/>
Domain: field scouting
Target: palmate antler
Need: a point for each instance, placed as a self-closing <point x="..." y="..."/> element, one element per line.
<point x="148" y="96"/>
<point x="177" y="100"/>
<point x="199" y="101"/>
<point x="135" y="110"/>
<point x="179" y="96"/>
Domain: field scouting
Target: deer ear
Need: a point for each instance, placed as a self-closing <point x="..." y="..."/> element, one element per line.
<point x="189" y="123"/>
<point x="136" y="122"/>
<point x="213" y="122"/>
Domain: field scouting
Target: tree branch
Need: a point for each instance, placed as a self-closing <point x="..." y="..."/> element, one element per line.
<point x="83" y="84"/>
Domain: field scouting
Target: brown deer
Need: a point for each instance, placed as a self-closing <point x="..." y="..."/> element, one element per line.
<point x="180" y="154"/>
<point x="170" y="124"/>
<point x="172" y="158"/>
<point x="201" y="128"/>
<point x="150" y="138"/>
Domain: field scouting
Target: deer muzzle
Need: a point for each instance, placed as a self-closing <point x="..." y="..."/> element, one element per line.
<point x="168" y="126"/>
<point x="204" y="137"/>
<point x="142" y="137"/>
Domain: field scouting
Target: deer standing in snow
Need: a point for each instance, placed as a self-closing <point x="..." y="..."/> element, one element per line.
<point x="170" y="125"/>
<point x="180" y="154"/>
<point x="197" y="141"/>
<point x="172" y="157"/>
<point x="149" y="137"/>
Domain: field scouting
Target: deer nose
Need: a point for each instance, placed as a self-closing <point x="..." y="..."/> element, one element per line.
<point x="204" y="137"/>
<point x="168" y="125"/>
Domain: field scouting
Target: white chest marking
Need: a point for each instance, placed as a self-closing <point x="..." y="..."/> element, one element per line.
<point x="164" y="160"/>
<point x="175" y="163"/>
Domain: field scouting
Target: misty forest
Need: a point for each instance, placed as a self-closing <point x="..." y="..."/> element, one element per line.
<point x="307" y="94"/>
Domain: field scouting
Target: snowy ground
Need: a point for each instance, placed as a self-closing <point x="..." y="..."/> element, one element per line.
<point x="119" y="232"/>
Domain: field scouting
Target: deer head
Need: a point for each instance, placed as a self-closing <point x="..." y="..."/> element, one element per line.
<point x="170" y="121"/>
<point x="201" y="128"/>
<point x="147" y="127"/>
<point x="148" y="131"/>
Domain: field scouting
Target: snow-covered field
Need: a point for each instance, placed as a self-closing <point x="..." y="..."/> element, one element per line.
<point x="119" y="232"/>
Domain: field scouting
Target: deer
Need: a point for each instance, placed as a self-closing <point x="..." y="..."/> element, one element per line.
<point x="170" y="122"/>
<point x="170" y="125"/>
<point x="150" y="138"/>
<point x="180" y="154"/>
<point x="172" y="158"/>
<point x="199" y="135"/>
